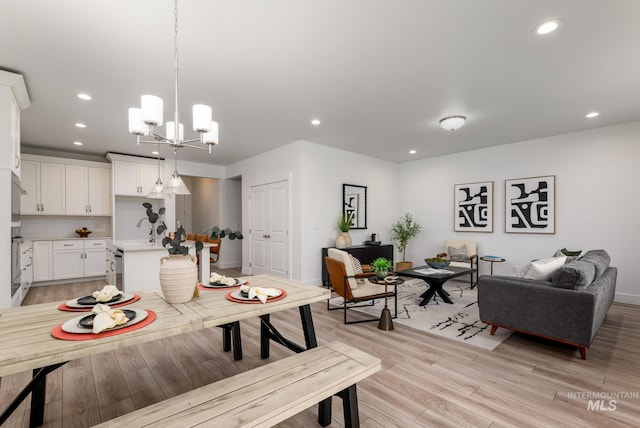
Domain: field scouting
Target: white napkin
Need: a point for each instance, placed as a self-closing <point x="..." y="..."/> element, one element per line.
<point x="107" y="293"/>
<point x="215" y="277"/>
<point x="262" y="293"/>
<point x="107" y="318"/>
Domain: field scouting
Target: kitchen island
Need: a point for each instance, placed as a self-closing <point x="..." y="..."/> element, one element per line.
<point x="141" y="263"/>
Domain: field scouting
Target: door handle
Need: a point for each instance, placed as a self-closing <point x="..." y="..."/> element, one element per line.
<point x="266" y="236"/>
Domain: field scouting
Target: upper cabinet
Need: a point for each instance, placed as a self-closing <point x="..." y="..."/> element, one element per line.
<point x="13" y="98"/>
<point x="59" y="186"/>
<point x="45" y="186"/>
<point x="87" y="190"/>
<point x="133" y="177"/>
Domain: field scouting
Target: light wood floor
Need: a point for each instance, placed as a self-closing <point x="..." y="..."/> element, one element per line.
<point x="425" y="381"/>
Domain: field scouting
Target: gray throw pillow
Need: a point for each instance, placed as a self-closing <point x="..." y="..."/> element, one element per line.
<point x="600" y="260"/>
<point x="576" y="275"/>
<point x="571" y="255"/>
<point x="458" y="254"/>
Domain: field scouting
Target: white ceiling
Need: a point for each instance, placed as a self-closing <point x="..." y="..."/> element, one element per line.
<point x="379" y="74"/>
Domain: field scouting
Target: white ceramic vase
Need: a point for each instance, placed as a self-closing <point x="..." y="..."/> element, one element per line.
<point x="343" y="240"/>
<point x="178" y="277"/>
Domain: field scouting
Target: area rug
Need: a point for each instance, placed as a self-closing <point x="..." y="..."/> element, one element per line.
<point x="459" y="321"/>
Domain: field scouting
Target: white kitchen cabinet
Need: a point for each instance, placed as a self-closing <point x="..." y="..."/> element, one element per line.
<point x="78" y="258"/>
<point x="87" y="190"/>
<point x="13" y="98"/>
<point x="133" y="178"/>
<point x="26" y="269"/>
<point x="95" y="256"/>
<point x="68" y="261"/>
<point x="42" y="261"/>
<point x="45" y="186"/>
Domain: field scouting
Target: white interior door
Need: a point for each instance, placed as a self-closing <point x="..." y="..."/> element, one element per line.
<point x="269" y="231"/>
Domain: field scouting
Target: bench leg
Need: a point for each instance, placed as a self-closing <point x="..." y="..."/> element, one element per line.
<point x="264" y="336"/>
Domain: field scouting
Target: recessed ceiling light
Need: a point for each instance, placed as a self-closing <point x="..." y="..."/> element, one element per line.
<point x="155" y="153"/>
<point x="592" y="115"/>
<point x="548" y="27"/>
<point x="315" y="122"/>
<point x="84" y="96"/>
<point x="81" y="125"/>
<point x="412" y="152"/>
<point x="77" y="143"/>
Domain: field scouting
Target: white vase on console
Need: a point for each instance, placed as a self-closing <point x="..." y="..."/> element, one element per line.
<point x="343" y="240"/>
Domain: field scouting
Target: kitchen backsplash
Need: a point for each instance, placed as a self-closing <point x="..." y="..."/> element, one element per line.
<point x="54" y="227"/>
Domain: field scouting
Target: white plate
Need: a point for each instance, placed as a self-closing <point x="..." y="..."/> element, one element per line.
<point x="72" y="326"/>
<point x="125" y="298"/>
<point x="238" y="295"/>
<point x="218" y="285"/>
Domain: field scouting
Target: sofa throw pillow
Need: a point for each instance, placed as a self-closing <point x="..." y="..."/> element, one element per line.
<point x="458" y="254"/>
<point x="542" y="269"/>
<point x="600" y="260"/>
<point x="576" y="275"/>
<point x="571" y="255"/>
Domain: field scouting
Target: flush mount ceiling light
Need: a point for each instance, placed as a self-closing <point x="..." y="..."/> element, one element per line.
<point x="451" y="123"/>
<point x="143" y="120"/>
<point x="547" y="27"/>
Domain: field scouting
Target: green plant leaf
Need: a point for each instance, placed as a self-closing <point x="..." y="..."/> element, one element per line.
<point x="161" y="210"/>
<point x="153" y="217"/>
<point x="147" y="205"/>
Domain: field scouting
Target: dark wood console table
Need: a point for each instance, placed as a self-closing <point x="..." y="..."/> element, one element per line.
<point x="365" y="253"/>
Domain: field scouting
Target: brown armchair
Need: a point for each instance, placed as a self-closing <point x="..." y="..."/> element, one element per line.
<point x="354" y="288"/>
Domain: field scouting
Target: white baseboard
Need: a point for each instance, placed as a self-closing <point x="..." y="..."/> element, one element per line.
<point x="632" y="299"/>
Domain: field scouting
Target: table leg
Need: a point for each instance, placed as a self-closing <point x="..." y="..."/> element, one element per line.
<point x="385" y="323"/>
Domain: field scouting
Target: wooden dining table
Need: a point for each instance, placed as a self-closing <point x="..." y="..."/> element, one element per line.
<point x="27" y="343"/>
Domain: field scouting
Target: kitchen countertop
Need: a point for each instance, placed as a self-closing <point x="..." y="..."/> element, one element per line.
<point x="63" y="238"/>
<point x="148" y="246"/>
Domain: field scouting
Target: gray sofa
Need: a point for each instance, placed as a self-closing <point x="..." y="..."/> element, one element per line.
<point x="568" y="308"/>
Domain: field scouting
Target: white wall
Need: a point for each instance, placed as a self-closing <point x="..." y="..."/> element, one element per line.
<point x="324" y="171"/>
<point x="596" y="199"/>
<point x="231" y="217"/>
<point x="316" y="174"/>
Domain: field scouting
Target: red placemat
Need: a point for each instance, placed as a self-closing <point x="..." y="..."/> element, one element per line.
<point x="269" y="300"/>
<point x="58" y="333"/>
<point x="233" y="287"/>
<point x="64" y="307"/>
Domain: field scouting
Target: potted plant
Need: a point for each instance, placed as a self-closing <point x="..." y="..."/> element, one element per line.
<point x="178" y="270"/>
<point x="381" y="266"/>
<point x="344" y="224"/>
<point x="401" y="232"/>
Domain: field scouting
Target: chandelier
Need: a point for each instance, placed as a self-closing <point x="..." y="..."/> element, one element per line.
<point x="144" y="120"/>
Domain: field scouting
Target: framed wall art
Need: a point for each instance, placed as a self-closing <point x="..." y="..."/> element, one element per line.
<point x="354" y="202"/>
<point x="530" y="205"/>
<point x="473" y="207"/>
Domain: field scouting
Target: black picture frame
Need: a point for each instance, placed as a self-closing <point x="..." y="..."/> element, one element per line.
<point x="354" y="201"/>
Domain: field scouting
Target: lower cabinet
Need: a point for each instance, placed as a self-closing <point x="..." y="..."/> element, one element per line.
<point x="42" y="261"/>
<point x="66" y="259"/>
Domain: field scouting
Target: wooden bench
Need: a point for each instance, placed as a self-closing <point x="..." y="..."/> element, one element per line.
<point x="267" y="395"/>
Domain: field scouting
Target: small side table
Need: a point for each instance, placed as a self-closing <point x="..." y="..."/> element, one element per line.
<point x="386" y="320"/>
<point x="492" y="260"/>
